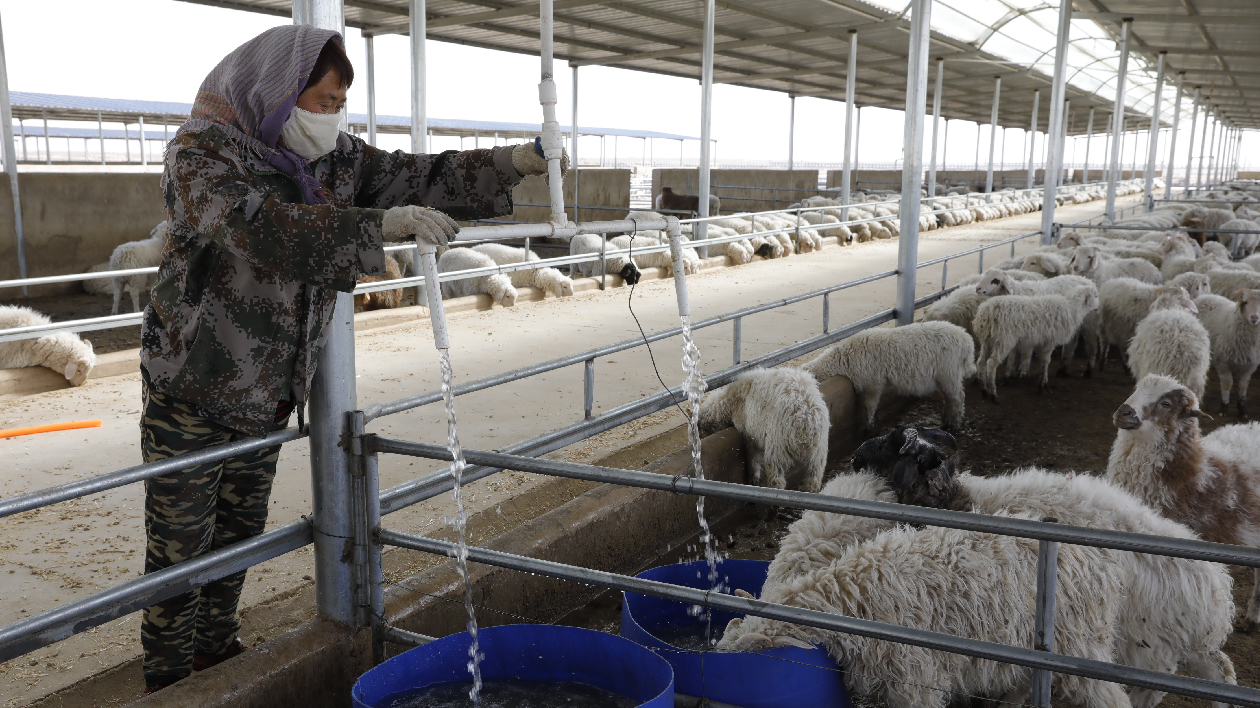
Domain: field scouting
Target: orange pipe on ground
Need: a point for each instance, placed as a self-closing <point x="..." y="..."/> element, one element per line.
<point x="51" y="427"/>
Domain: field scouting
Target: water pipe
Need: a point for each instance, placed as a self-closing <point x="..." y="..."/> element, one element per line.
<point x="674" y="231"/>
<point x="437" y="316"/>
<point x="552" y="145"/>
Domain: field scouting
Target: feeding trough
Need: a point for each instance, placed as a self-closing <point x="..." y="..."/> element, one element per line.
<point x="786" y="677"/>
<point x="530" y="656"/>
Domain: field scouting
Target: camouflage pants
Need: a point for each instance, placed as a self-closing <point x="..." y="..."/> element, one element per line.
<point x="188" y="514"/>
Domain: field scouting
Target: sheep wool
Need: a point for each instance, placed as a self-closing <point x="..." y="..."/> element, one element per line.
<point x="784" y="421"/>
<point x="137" y="254"/>
<point x="63" y="352"/>
<point x="380" y="299"/>
<point x="1124" y="302"/>
<point x="548" y="280"/>
<point x="1171" y="342"/>
<point x="1089" y="261"/>
<point x="1234" y="328"/>
<point x="1031" y="323"/>
<point x="498" y="286"/>
<point x="618" y="265"/>
<point x="919" y="359"/>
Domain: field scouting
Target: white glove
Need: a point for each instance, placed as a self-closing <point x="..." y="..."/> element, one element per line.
<point x="423" y="224"/>
<point x="527" y="161"/>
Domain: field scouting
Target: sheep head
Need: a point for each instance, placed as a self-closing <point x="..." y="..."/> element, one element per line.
<point x="1083" y="260"/>
<point x="1158" y="403"/>
<point x="919" y="463"/>
<point x="630" y="273"/>
<point x="993" y="282"/>
<point x="1071" y="240"/>
<point x="1248" y="305"/>
<point x="1172" y="297"/>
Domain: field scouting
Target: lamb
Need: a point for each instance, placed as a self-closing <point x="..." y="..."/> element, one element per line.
<point x="137" y="254"/>
<point x="784" y="421"/>
<point x="1032" y="323"/>
<point x="667" y="200"/>
<point x="914" y="360"/>
<point x="1210" y="484"/>
<point x="1124" y="302"/>
<point x="1089" y="262"/>
<point x="498" y="285"/>
<point x="957" y="308"/>
<point x="63" y="352"/>
<point x="380" y="299"/>
<point x="583" y="244"/>
<point x="1234" y="329"/>
<point x="1171" y="342"/>
<point x="549" y="280"/>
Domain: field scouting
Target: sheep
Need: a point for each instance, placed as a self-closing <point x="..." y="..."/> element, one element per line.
<point x="914" y="360"/>
<point x="1033" y="323"/>
<point x="1198" y="219"/>
<point x="1171" y="342"/>
<point x="98" y="286"/>
<point x="582" y="244"/>
<point x="1233" y="326"/>
<point x="1124" y="302"/>
<point x="1175" y="612"/>
<point x="1242" y="244"/>
<point x="959" y="307"/>
<point x="1088" y="261"/>
<point x="137" y="254"/>
<point x="549" y="280"/>
<point x="1004" y="282"/>
<point x="403" y="259"/>
<point x="783" y="419"/>
<point x="956" y="582"/>
<point x="498" y="285"/>
<point x="660" y="259"/>
<point x="380" y="299"/>
<point x="1210" y="484"/>
<point x="667" y="200"/>
<point x="1047" y="264"/>
<point x="1112" y="247"/>
<point x="1227" y="282"/>
<point x="63" y="352"/>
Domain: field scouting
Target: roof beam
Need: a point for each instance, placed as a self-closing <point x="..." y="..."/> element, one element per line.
<point x="1170" y="19"/>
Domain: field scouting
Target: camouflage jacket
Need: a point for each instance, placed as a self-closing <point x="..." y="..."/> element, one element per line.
<point x="250" y="273"/>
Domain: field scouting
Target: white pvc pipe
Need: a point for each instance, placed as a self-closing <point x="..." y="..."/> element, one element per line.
<point x="936" y="123"/>
<point x="552" y="145"/>
<point x="1056" y="130"/>
<point x="1117" y="122"/>
<point x="993" y="129"/>
<point x="370" y="46"/>
<point x="701" y="232"/>
<point x="1032" y="140"/>
<point x="433" y="288"/>
<point x="10" y="159"/>
<point x="850" y="70"/>
<point x="680" y="274"/>
<point x="1194" y="120"/>
<point x="418" y="27"/>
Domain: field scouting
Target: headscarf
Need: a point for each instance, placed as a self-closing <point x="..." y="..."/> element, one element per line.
<point x="251" y="93"/>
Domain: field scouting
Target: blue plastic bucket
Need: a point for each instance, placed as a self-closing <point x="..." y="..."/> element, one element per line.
<point x="787" y="677"/>
<point x="536" y="652"/>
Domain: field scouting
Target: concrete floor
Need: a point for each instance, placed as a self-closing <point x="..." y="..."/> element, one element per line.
<point x="70" y="550"/>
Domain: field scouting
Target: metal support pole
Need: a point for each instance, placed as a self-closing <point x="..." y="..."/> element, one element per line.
<point x="1205" y="151"/>
<point x="126" y="142"/>
<point x="1172" y="138"/>
<point x="553" y="147"/>
<point x="1133" y="162"/>
<point x="1056" y="127"/>
<point x="1117" y="120"/>
<point x="1032" y="140"/>
<point x="993" y="128"/>
<point x="48" y="140"/>
<point x="936" y="123"/>
<point x="977" y="167"/>
<point x="100" y="131"/>
<point x="826" y="314"/>
<point x="1194" y="120"/>
<point x="370" y="47"/>
<point x="1153" y="139"/>
<point x="573" y="147"/>
<point x="418" y="27"/>
<point x="912" y="167"/>
<point x="701" y="229"/>
<point x="144" y="159"/>
<point x="1217" y="148"/>
<point x="1043" y="623"/>
<point x="791" y="129"/>
<point x="588" y="388"/>
<point x="10" y="160"/>
<point x="849" y="78"/>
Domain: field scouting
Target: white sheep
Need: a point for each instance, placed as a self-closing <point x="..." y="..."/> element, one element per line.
<point x="1031" y="323"/>
<point x="146" y="253"/>
<point x="659" y="259"/>
<point x="1228" y="282"/>
<point x="1234" y="328"/>
<point x="619" y="265"/>
<point x="914" y="360"/>
<point x="497" y="285"/>
<point x="1124" y="302"/>
<point x="1089" y="262"/>
<point x="1006" y="282"/>
<point x="63" y="352"/>
<point x="1210" y="484"/>
<point x="1170" y="341"/>
<point x="1047" y="264"/>
<point x="98" y="286"/>
<point x="549" y="280"/>
<point x="784" y="421"/>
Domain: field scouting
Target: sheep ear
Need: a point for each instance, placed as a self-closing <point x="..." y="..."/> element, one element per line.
<point x="72" y="368"/>
<point x="1195" y="413"/>
<point x="904" y="473"/>
<point x="1237" y="295"/>
<point x="88" y="342"/>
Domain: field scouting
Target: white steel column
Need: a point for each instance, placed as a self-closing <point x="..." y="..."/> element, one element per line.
<point x="791" y="129"/>
<point x="993" y="128"/>
<point x="418" y="27"/>
<point x="1117" y="121"/>
<point x="1153" y="140"/>
<point x="1194" y="119"/>
<point x="936" y="123"/>
<point x="573" y="147"/>
<point x="48" y="140"/>
<point x="912" y="166"/>
<point x="552" y="145"/>
<point x="100" y="131"/>
<point x="1172" y="138"/>
<point x="1089" y="139"/>
<point x="1205" y="145"/>
<point x="371" y="88"/>
<point x="333" y="396"/>
<point x="1056" y="128"/>
<point x="706" y="116"/>
<point x="1032" y="140"/>
<point x="144" y="159"/>
<point x="847" y="173"/>
<point x="10" y="160"/>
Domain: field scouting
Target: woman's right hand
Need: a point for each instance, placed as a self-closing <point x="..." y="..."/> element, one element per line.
<point x="422" y="224"/>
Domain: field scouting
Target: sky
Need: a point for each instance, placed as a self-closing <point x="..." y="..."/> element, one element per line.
<point x="162" y="49"/>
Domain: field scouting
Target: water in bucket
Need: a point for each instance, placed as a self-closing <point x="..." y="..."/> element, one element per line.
<point x="517" y="693"/>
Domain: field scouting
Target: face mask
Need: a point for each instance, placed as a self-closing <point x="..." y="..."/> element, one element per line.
<point x="311" y="135"/>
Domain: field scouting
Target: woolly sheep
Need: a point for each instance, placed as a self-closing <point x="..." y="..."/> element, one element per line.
<point x="380" y="299"/>
<point x="660" y="259"/>
<point x="1089" y="262"/>
<point x="1210" y="484"/>
<point x="784" y="421"/>
<point x="498" y="286"/>
<point x="1005" y="282"/>
<point x="1171" y="342"/>
<point x="1031" y="323"/>
<point x="583" y="244"/>
<point x="1234" y="328"/>
<point x="98" y="286"/>
<point x="1124" y="302"/>
<point x="549" y="280"/>
<point x="137" y="254"/>
<point x="1047" y="264"/>
<point x="1228" y="282"/>
<point x="63" y="352"/>
<point x="1242" y="244"/>
<point x="957" y="308"/>
<point x="915" y="360"/>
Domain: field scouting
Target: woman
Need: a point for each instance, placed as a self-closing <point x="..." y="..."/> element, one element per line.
<point x="272" y="212"/>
